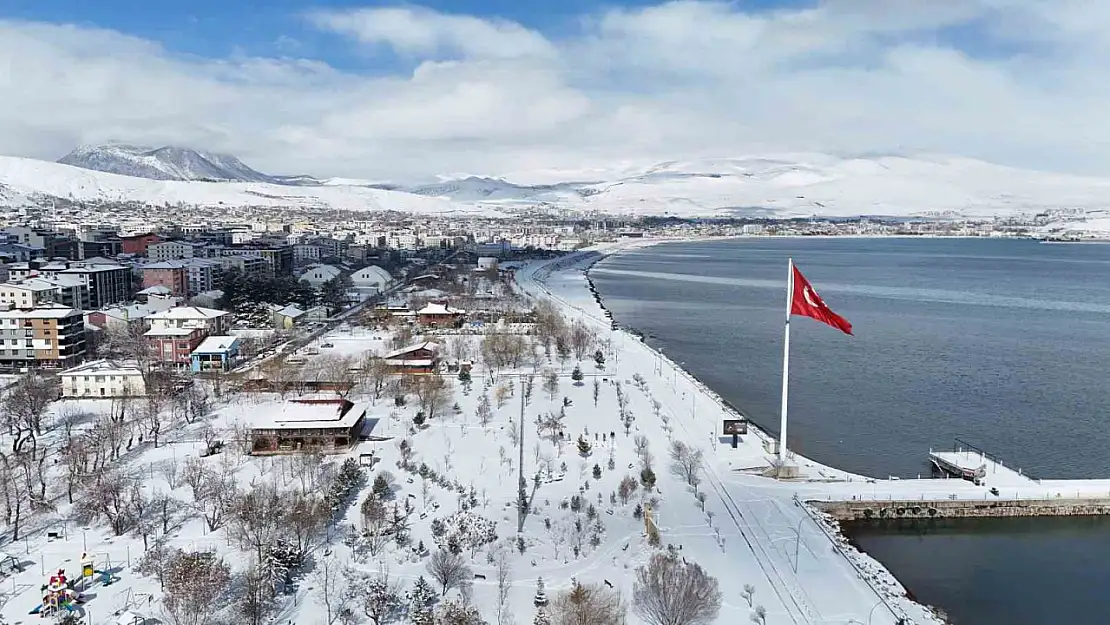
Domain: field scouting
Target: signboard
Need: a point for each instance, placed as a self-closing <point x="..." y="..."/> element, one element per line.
<point x="736" y="426"/>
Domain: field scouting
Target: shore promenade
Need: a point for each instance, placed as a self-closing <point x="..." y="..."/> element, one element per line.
<point x="790" y="526"/>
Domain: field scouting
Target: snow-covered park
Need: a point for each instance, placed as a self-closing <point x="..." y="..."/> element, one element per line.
<point x="415" y="519"/>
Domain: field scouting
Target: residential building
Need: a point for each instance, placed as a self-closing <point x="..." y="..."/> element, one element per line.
<point x="287" y="316"/>
<point x="309" y="425"/>
<point x="52" y="337"/>
<point x="246" y="264"/>
<point x="306" y="253"/>
<point x="171" y="274"/>
<point x="103" y="378"/>
<point x="25" y="295"/>
<point x="209" y="320"/>
<point x="169" y="250"/>
<point x="203" y="275"/>
<point x="174" y="346"/>
<point x="371" y="280"/>
<point x="106" y="284"/>
<point x="19" y="252"/>
<point x="216" y="353"/>
<point x="137" y="244"/>
<point x="317" y="275"/>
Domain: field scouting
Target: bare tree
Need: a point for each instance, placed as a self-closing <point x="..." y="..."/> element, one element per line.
<point x="338" y="370"/>
<point x="432" y="392"/>
<point x="627" y="488"/>
<point x="332" y="581"/>
<point x="194" y="581"/>
<point x="504" y="585"/>
<point x="588" y="604"/>
<point x="112" y="498"/>
<point x="484" y="412"/>
<point x="375" y="523"/>
<point x="374" y="374"/>
<point x="256" y="517"/>
<point x="551" y="384"/>
<point x="305" y="516"/>
<point x="581" y="339"/>
<point x="686" y="463"/>
<point x="748" y="593"/>
<point x="24" y="406"/>
<point x="759" y="615"/>
<point x="669" y="591"/>
<point x="14" y="489"/>
<point x="449" y="569"/>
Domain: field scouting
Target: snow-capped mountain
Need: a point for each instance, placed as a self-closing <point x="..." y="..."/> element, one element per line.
<point x="24" y="180"/>
<point x="171" y="163"/>
<point x="792" y="185"/>
<point x="798" y="185"/>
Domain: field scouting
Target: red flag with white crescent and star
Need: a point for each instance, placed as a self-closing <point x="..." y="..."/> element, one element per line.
<point x="807" y="303"/>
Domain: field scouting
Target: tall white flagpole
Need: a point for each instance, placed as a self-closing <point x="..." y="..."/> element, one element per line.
<point x="786" y="360"/>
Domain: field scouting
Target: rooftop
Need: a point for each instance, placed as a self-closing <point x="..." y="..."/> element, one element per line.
<point x="314" y="413"/>
<point x="216" y="345"/>
<point x="105" y="367"/>
<point x="189" y="312"/>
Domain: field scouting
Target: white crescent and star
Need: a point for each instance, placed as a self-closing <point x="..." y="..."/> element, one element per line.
<point x="811" y="297"/>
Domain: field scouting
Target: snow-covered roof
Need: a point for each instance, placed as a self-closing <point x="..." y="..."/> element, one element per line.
<point x="428" y="345"/>
<point x="170" y="331"/>
<point x="104" y="367"/>
<point x="189" y="312"/>
<point x="315" y="413"/>
<point x="157" y="289"/>
<point x="46" y="312"/>
<point x="216" y="345"/>
<point x="372" y="274"/>
<point x="438" y="309"/>
<point x="289" y="311"/>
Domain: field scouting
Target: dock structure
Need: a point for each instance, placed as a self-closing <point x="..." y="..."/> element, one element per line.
<point x="975" y="465"/>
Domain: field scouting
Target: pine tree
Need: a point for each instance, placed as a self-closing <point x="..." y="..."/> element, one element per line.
<point x="422" y="598"/>
<point x="541" y="597"/>
<point x="584" y="446"/>
<point x="576" y="375"/>
<point x="541" y="618"/>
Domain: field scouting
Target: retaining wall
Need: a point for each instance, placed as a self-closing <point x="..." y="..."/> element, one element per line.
<point x="961" y="508"/>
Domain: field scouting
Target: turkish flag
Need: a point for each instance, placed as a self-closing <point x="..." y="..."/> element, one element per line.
<point x="807" y="303"/>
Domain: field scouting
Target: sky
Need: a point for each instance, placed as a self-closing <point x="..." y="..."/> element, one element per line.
<point x="406" y="92"/>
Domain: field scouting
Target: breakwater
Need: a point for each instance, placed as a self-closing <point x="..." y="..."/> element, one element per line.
<point x="961" y="508"/>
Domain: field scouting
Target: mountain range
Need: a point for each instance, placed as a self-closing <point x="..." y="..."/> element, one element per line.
<point x="788" y="185"/>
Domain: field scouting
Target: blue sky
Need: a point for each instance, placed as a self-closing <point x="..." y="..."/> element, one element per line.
<point x="215" y="28"/>
<point x="498" y="87"/>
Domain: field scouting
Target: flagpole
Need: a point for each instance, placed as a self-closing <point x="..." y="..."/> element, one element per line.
<point x="786" y="361"/>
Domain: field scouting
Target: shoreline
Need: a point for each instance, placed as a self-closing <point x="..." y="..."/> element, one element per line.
<point x="866" y="570"/>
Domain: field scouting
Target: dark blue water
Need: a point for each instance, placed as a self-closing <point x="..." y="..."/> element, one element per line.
<point x="1001" y="343"/>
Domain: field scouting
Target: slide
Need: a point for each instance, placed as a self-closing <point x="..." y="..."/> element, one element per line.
<point x="36" y="610"/>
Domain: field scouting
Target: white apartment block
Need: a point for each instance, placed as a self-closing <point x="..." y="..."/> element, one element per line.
<point x="103" y="378"/>
<point x="169" y="250"/>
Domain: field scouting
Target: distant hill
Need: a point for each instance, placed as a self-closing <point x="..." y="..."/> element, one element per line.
<point x="172" y="163"/>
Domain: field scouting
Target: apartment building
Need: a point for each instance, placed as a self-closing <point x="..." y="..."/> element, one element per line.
<point x="172" y="274"/>
<point x="245" y="264"/>
<point x="169" y="250"/>
<point x="106" y="284"/>
<point x="103" y="378"/>
<point x="48" y="337"/>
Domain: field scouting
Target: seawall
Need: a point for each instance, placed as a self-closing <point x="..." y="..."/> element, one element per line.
<point x="960" y="508"/>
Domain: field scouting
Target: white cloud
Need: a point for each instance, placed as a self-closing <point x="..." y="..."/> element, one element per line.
<point x="1014" y="81"/>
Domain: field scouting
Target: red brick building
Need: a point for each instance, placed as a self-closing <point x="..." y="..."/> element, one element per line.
<point x="137" y="244"/>
<point x="173" y="276"/>
<point x="174" y="346"/>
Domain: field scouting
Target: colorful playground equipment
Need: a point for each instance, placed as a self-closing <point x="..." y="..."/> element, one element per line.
<point x="60" y="592"/>
<point x="58" y="595"/>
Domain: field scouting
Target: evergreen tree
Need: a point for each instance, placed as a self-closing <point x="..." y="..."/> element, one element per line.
<point x="422" y="598"/>
<point x="576" y="375"/>
<point x="540" y="599"/>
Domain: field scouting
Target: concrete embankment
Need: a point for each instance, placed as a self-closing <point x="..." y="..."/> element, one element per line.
<point x="961" y="508"/>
